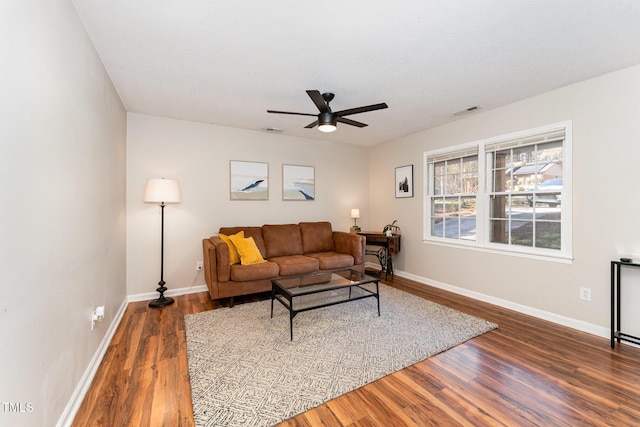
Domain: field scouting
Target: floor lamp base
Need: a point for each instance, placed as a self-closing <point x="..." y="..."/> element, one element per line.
<point x="162" y="301"/>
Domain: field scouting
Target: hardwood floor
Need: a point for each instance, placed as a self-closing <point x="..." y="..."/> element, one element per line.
<point x="528" y="372"/>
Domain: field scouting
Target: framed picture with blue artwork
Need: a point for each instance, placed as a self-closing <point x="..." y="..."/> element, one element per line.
<point x="248" y="180"/>
<point x="298" y="183"/>
<point x="404" y="181"/>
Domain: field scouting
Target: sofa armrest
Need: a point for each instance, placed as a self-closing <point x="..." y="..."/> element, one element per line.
<point x="350" y="243"/>
<point x="216" y="263"/>
<point x="223" y="259"/>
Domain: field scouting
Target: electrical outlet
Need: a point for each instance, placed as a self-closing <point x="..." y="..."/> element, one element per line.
<point x="199" y="266"/>
<point x="97" y="316"/>
<point x="585" y="294"/>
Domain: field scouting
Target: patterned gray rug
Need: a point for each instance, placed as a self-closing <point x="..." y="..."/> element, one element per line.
<point x="246" y="372"/>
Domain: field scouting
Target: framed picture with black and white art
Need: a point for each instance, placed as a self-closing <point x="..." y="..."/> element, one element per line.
<point x="404" y="181"/>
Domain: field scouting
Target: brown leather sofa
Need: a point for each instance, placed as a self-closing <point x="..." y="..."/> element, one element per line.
<point x="289" y="250"/>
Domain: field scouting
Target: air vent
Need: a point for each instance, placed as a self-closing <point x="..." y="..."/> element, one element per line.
<point x="466" y="111"/>
<point x="272" y="130"/>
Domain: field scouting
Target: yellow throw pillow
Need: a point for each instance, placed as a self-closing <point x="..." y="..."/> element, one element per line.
<point x="234" y="257"/>
<point x="247" y="249"/>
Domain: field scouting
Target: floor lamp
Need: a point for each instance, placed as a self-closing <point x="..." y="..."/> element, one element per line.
<point x="163" y="191"/>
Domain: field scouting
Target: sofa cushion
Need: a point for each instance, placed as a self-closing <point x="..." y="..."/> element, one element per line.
<point x="291" y="265"/>
<point x="282" y="239"/>
<point x="332" y="260"/>
<point x="316" y="237"/>
<point x="247" y="249"/>
<point x="255" y="232"/>
<point x="234" y="257"/>
<point x="245" y="273"/>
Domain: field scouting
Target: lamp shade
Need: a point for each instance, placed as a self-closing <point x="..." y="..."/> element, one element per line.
<point x="160" y="190"/>
<point x="355" y="213"/>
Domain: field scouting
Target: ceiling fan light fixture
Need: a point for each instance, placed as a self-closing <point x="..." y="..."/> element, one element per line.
<point x="327" y="128"/>
<point x="326" y="122"/>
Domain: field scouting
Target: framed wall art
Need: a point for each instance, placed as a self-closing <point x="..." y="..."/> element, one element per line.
<point x="248" y="180"/>
<point x="404" y="181"/>
<point x="298" y="183"/>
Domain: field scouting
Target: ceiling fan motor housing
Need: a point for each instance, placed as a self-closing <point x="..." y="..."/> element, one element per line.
<point x="327" y="119"/>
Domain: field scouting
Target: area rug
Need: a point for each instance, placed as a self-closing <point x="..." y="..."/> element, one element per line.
<point x="245" y="371"/>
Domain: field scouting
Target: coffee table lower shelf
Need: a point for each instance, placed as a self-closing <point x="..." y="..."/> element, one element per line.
<point x="288" y="289"/>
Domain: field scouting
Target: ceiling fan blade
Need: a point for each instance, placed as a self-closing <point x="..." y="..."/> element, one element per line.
<point x="361" y="109"/>
<point x="311" y="125"/>
<point x="350" y="122"/>
<point x="289" y="112"/>
<point x="317" y="99"/>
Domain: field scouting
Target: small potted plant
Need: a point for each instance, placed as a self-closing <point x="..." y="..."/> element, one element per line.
<point x="391" y="229"/>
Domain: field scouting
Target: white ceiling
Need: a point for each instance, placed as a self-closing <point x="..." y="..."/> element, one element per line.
<point x="227" y="62"/>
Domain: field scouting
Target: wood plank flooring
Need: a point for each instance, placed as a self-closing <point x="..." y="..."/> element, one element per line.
<point x="528" y="372"/>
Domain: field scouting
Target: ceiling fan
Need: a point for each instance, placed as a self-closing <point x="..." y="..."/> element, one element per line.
<point x="327" y="119"/>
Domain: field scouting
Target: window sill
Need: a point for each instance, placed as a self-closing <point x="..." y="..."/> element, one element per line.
<point x="559" y="258"/>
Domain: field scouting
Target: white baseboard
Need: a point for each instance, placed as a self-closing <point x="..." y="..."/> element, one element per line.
<point x="87" y="378"/>
<point x="147" y="296"/>
<point x="579" y="325"/>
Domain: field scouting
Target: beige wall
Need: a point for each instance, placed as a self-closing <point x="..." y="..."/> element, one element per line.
<point x="198" y="155"/>
<point x="606" y="147"/>
<point x="62" y="184"/>
<point x="62" y="178"/>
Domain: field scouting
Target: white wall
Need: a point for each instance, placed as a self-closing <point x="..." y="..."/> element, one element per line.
<point x="606" y="147"/>
<point x="62" y="227"/>
<point x="198" y="155"/>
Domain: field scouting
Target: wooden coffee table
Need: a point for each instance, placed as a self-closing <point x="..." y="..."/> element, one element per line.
<point x="289" y="290"/>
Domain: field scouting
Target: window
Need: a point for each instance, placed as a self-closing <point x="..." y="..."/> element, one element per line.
<point x="509" y="193"/>
<point x="454" y="190"/>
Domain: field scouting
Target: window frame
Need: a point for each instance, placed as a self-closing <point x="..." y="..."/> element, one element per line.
<point x="454" y="153"/>
<point x="483" y="196"/>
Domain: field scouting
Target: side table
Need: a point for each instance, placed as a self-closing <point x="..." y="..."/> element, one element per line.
<point x="388" y="246"/>
<point x="616" y="328"/>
